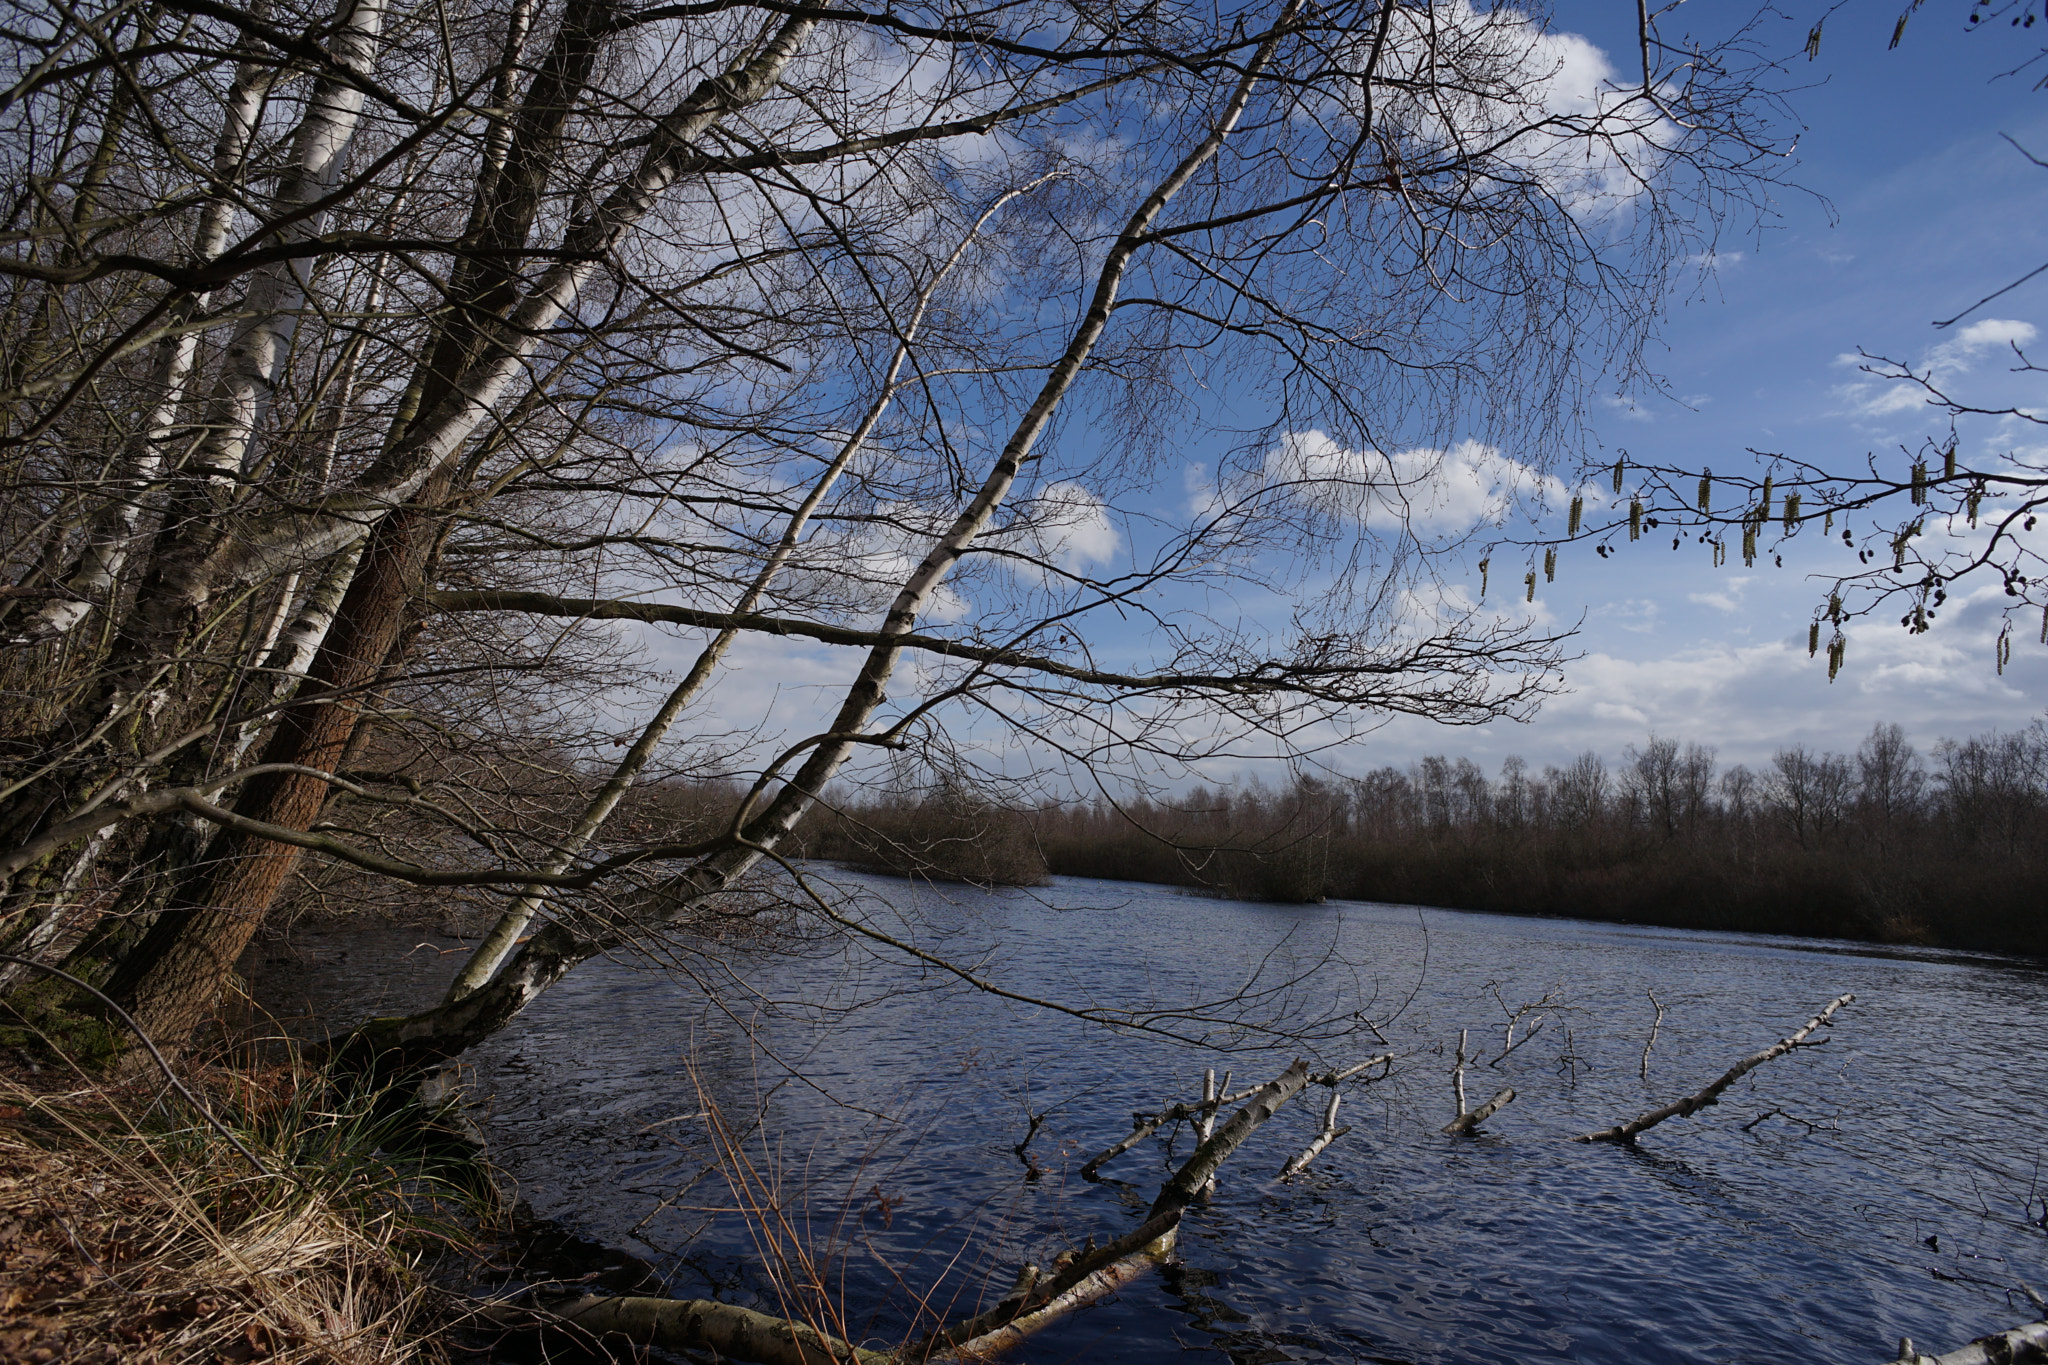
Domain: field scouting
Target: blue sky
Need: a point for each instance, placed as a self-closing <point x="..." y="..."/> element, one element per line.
<point x="1910" y="205"/>
<point x="1918" y="207"/>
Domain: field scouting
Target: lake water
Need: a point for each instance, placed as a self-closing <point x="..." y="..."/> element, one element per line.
<point x="876" y="1104"/>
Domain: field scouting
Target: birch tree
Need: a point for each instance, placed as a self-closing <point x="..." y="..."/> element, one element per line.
<point x="1115" y="389"/>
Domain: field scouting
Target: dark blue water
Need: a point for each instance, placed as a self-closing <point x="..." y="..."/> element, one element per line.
<point x="872" y="1105"/>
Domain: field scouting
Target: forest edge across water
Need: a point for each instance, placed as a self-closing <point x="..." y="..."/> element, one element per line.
<point x="1877" y="846"/>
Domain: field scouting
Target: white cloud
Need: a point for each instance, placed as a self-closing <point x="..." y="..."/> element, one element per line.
<point x="1750" y="699"/>
<point x="1424" y="489"/>
<point x="1726" y="598"/>
<point x="1889" y="391"/>
<point x="1548" y="104"/>
<point x="1996" y="332"/>
<point x="1625" y="406"/>
<point x="1065" y="526"/>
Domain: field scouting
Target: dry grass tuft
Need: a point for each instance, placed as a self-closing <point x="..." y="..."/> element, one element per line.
<point x="155" y="1242"/>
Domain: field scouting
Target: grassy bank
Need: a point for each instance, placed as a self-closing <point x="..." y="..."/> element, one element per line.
<point x="294" y="1227"/>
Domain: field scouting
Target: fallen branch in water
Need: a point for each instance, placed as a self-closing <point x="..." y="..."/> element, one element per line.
<point x="1145" y="1123"/>
<point x="1333" y="1077"/>
<point x="1330" y="1133"/>
<point x="1465" y="1123"/>
<point x="2000" y="1348"/>
<point x="1458" y="1075"/>
<point x="1692" y="1104"/>
<point x="1034" y="1301"/>
<point x="1205" y="1126"/>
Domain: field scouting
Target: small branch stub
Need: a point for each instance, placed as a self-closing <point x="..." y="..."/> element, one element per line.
<point x="1466" y="1123"/>
<point x="1655" y="1024"/>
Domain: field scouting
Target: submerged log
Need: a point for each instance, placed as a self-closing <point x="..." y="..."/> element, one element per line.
<point x="1145" y="1123"/>
<point x="1034" y="1301"/>
<point x="1692" y="1104"/>
<point x="2028" y="1343"/>
<point x="1333" y="1077"/>
<point x="1097" y="1283"/>
<point x="1264" y="1103"/>
<point x="697" y="1325"/>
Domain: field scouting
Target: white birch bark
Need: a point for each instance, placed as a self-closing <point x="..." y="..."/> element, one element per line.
<point x="53" y="917"/>
<point x="1328" y="1134"/>
<point x="498" y="141"/>
<point x="727" y="1329"/>
<point x="277" y="293"/>
<point x="112" y="532"/>
<point x="1469" y="1121"/>
<point x="2001" y="1348"/>
<point x="274" y="546"/>
<point x="1692" y="1104"/>
<point x="295" y="636"/>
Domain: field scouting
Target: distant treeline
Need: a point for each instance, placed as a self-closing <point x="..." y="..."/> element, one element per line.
<point x="1885" y="844"/>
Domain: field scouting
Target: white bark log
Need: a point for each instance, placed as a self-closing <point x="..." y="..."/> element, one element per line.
<point x="2028" y="1343"/>
<point x="1333" y="1077"/>
<point x="1096" y="1285"/>
<point x="1655" y="1025"/>
<point x="1692" y="1104"/>
<point x="1205" y="1126"/>
<point x="698" y="1325"/>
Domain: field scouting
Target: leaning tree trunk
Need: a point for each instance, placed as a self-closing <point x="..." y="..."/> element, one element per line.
<point x="186" y="962"/>
<point x="504" y="935"/>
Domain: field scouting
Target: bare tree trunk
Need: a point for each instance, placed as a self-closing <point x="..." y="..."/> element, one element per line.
<point x="504" y="934"/>
<point x="184" y="967"/>
<point x="184" y="963"/>
<point x="194" y="524"/>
